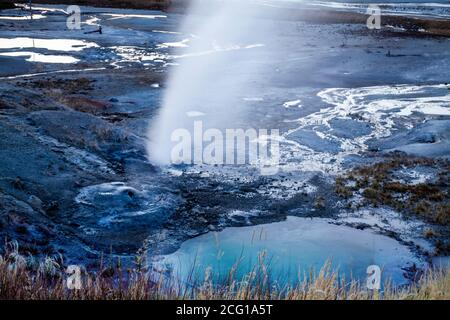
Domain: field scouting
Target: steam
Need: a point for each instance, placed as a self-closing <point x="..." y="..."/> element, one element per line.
<point x="216" y="70"/>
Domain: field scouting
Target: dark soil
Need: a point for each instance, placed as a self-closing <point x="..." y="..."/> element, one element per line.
<point x="6" y="4"/>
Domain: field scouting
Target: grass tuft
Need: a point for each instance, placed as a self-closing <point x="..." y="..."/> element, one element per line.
<point x="25" y="278"/>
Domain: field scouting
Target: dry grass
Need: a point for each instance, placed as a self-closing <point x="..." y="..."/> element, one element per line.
<point x="378" y="185"/>
<point x="25" y="278"/>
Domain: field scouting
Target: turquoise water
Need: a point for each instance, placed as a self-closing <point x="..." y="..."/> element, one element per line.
<point x="289" y="249"/>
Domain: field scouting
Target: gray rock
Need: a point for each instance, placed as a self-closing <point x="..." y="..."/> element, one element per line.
<point x="35" y="202"/>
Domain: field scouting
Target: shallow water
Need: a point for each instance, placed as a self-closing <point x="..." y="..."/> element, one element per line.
<point x="49" y="44"/>
<point x="334" y="133"/>
<point x="44" y="58"/>
<point x="291" y="248"/>
<point x="22" y="17"/>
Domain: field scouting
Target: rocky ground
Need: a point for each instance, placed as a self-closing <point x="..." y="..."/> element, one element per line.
<point x="75" y="174"/>
<point x="75" y="179"/>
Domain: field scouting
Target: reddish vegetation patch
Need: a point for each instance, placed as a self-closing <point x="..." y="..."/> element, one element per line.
<point x="67" y="86"/>
<point x="84" y="104"/>
<point x="70" y="93"/>
<point x="378" y="185"/>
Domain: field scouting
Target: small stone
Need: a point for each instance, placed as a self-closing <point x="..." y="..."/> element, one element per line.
<point x="35" y="202"/>
<point x="202" y="220"/>
<point x="22" y="229"/>
<point x="52" y="208"/>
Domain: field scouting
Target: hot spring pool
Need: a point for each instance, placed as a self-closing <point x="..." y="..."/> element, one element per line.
<point x="291" y="248"/>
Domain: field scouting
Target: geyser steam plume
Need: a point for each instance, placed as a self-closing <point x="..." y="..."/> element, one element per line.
<point x="216" y="70"/>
